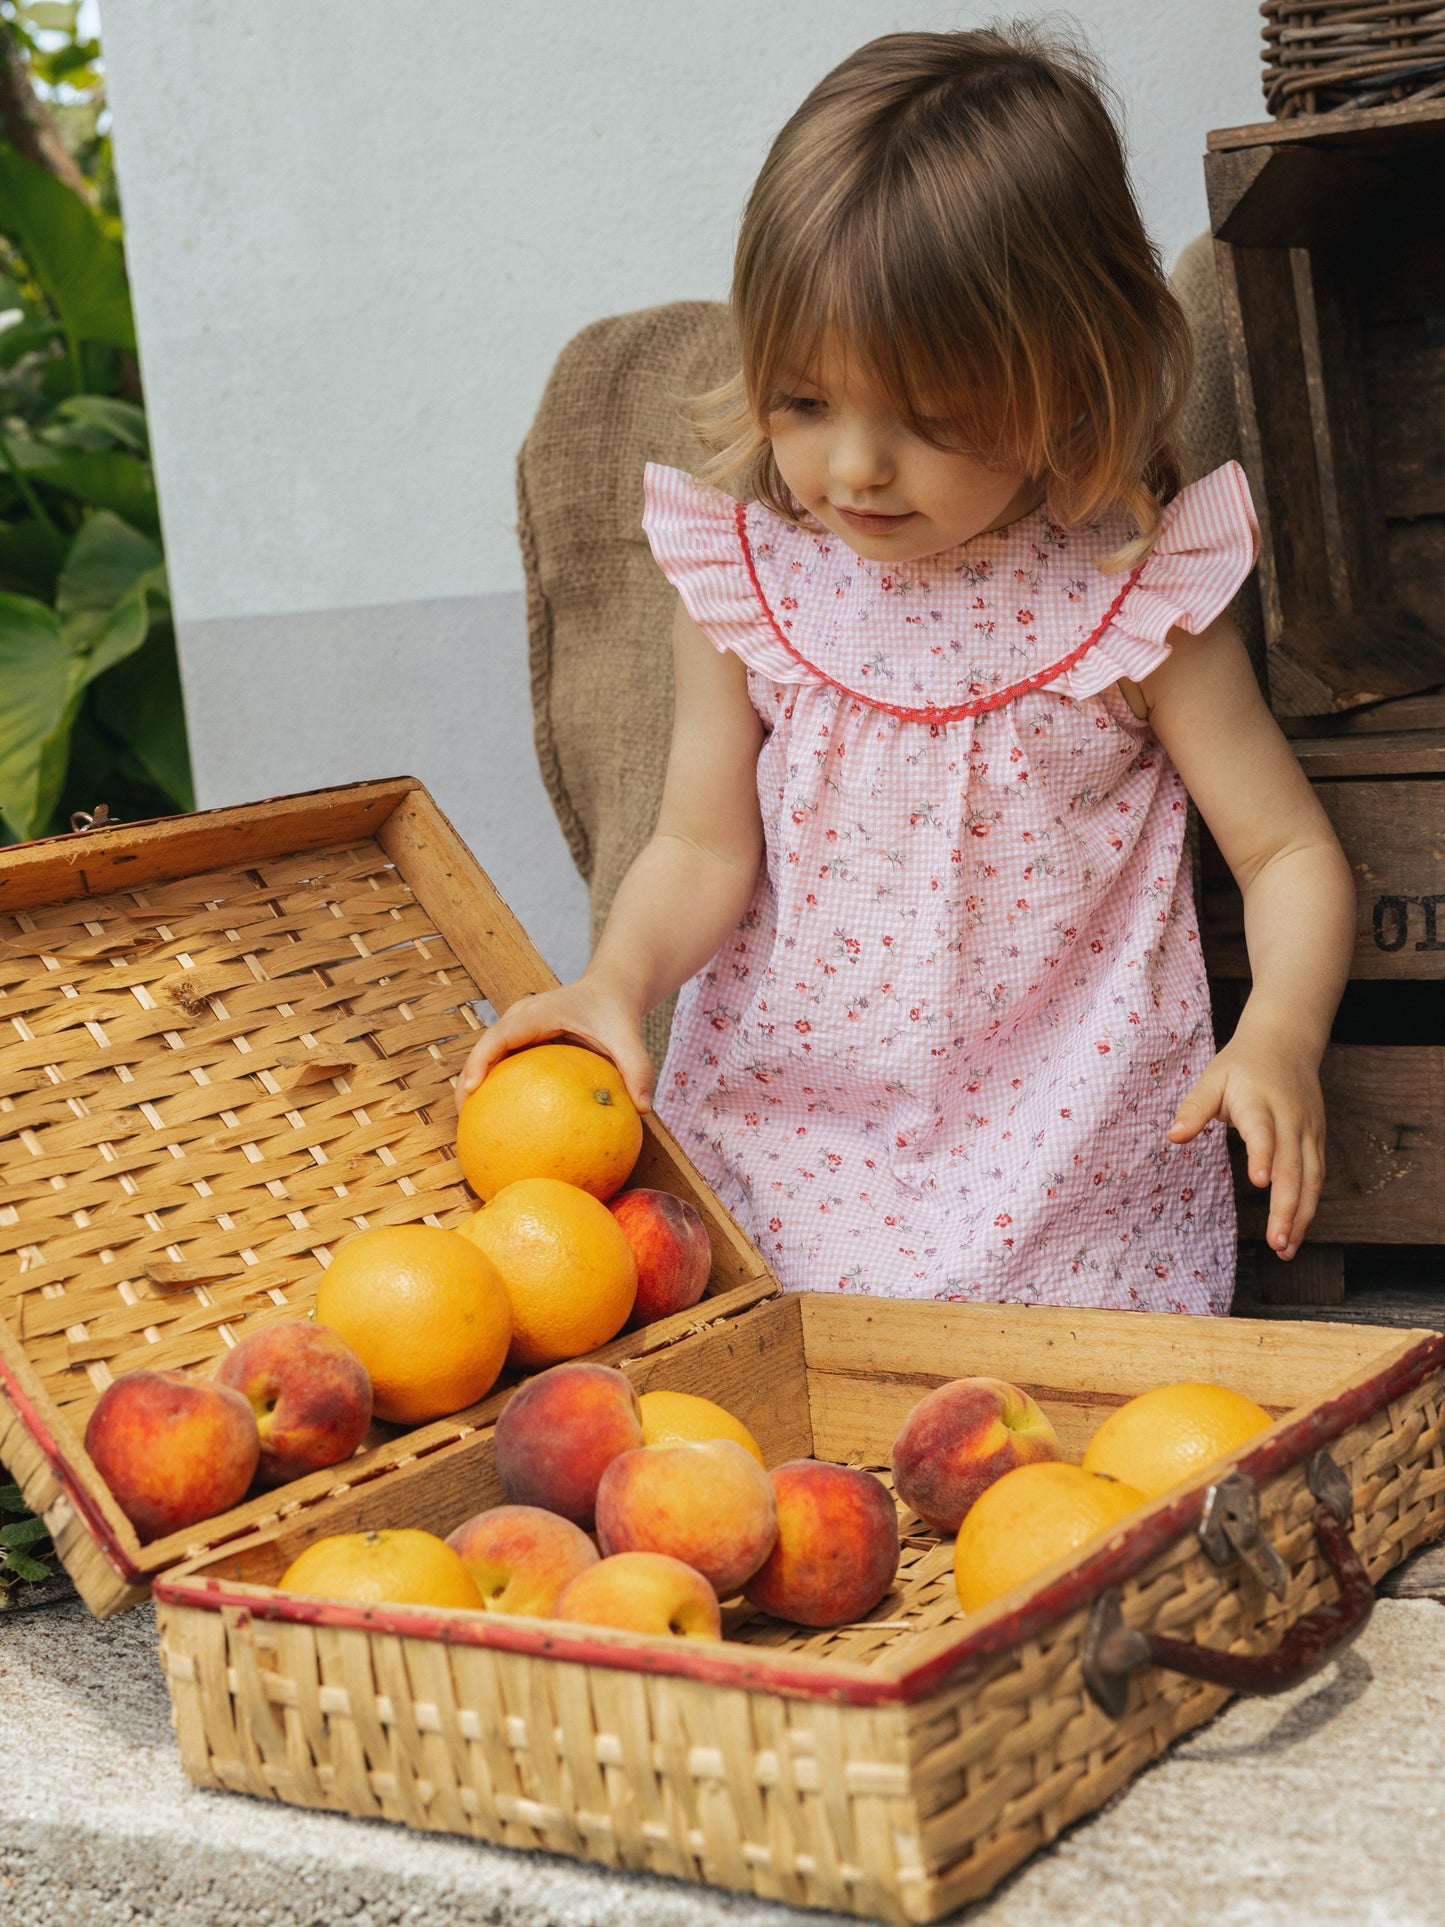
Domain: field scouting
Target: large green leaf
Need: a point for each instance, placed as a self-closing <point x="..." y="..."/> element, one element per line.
<point x="31" y="555"/>
<point x="105" y="561"/>
<point x="49" y="659"/>
<point x="105" y="479"/>
<point x="36" y="703"/>
<point x="79" y="266"/>
<point x="101" y="478"/>
<point x="140" y="702"/>
<point x="123" y="421"/>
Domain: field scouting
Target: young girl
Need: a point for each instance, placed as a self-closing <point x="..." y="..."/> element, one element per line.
<point x="943" y="675"/>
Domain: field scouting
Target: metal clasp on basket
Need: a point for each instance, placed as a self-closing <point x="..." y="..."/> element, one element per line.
<point x="83" y="820"/>
<point x="1113" y="1650"/>
<point x="1230" y="1530"/>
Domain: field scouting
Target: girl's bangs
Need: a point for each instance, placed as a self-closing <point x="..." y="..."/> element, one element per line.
<point x="938" y="355"/>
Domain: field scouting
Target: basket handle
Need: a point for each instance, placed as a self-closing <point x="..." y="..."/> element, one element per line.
<point x="1113" y="1650"/>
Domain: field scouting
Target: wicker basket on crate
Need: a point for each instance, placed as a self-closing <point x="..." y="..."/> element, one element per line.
<point x="1322" y="56"/>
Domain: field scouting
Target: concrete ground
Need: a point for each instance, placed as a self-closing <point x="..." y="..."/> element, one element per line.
<point x="1324" y="1808"/>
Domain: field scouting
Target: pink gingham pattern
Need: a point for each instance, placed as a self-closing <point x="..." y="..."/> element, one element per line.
<point x="939" y="1055"/>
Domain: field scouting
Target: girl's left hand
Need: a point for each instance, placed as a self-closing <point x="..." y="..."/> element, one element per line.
<point x="1262" y="1085"/>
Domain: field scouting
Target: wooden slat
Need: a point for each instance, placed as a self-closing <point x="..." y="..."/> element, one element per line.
<point x="1314" y="1276"/>
<point x="1407" y="407"/>
<point x="1367" y="128"/>
<point x="1277" y="434"/>
<point x="1385" y="1177"/>
<point x="1337" y="390"/>
<point x="1394" y="836"/>
<point x="133" y="855"/>
<point x="469" y="910"/>
<point x="1361" y="744"/>
<point x="867" y="1368"/>
<point x="1290" y="196"/>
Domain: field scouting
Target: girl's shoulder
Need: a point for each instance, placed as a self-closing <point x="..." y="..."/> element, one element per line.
<point x="1031" y="604"/>
<point x="700" y="540"/>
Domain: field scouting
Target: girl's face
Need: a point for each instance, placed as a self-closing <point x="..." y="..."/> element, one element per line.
<point x="860" y="471"/>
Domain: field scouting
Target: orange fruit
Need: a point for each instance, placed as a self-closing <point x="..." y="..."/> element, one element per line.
<point x="670" y="1416"/>
<point x="1028" y="1519"/>
<point x="425" y="1312"/>
<point x="566" y="1265"/>
<point x="1171" y="1433"/>
<point x="402" y="1568"/>
<point x="554" y="1111"/>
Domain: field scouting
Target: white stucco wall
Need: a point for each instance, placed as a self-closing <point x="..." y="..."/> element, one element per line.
<point x="358" y="236"/>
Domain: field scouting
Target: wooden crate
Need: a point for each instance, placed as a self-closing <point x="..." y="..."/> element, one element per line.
<point x="895" y="1768"/>
<point x="1384" y="1076"/>
<point x="226" y="1042"/>
<point x="1332" y="266"/>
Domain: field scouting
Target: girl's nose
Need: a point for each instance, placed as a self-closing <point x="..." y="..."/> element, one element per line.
<point x="859" y="458"/>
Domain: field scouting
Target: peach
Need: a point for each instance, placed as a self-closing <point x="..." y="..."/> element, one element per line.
<point x="644" y="1592"/>
<point x="959" y="1439"/>
<point x="705" y="1501"/>
<point x="309" y="1391"/>
<point x="173" y="1450"/>
<point x="837" y="1545"/>
<point x="669" y="1241"/>
<point x="560" y="1431"/>
<point x="522" y="1557"/>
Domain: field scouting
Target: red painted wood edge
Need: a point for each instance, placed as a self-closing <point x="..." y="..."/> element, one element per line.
<point x="929" y="712"/>
<point x="71" y="1481"/>
<point x="738" y="1665"/>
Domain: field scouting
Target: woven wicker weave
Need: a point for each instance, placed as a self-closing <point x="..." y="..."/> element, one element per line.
<point x="226" y="1042"/>
<point x="893" y="1769"/>
<point x="1325" y="55"/>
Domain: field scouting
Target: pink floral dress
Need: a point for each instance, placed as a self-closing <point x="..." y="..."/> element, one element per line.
<point x="939" y="1055"/>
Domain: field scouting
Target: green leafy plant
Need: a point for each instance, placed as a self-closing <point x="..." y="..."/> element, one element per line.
<point x="25" y="1549"/>
<point x="90" y="694"/>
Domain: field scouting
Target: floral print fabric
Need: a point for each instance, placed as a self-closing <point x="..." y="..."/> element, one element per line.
<point x="939" y="1055"/>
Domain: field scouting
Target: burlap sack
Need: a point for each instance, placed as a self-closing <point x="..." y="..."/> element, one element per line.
<point x="599" y="612"/>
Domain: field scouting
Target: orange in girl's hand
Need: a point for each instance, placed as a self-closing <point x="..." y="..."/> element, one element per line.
<point x="565" y="1263"/>
<point x="405" y="1567"/>
<point x="554" y="1111"/>
<point x="425" y="1312"/>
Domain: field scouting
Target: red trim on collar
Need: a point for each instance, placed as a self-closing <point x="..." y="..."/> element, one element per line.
<point x="929" y="712"/>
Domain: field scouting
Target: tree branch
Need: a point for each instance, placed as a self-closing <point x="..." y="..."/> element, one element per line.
<point x="26" y="123"/>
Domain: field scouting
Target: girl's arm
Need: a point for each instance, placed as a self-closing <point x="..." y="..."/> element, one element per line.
<point x="684" y="892"/>
<point x="1299" y="917"/>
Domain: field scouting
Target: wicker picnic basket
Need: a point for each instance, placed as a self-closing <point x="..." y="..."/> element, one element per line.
<point x="895" y="1768"/>
<point x="1323" y="56"/>
<point x="226" y="1042"/>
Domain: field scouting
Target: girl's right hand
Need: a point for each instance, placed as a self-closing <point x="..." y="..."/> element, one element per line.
<point x="583" y="1012"/>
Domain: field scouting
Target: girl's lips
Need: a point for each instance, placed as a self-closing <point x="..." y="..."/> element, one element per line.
<point x="867" y="524"/>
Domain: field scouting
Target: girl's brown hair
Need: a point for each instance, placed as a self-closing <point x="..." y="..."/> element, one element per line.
<point x="955" y="209"/>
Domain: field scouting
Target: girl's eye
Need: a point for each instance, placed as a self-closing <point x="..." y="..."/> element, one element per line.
<point x="797" y="405"/>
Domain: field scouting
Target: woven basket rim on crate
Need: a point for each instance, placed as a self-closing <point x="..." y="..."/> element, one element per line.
<point x="1337" y="56"/>
<point x="1288" y="1443"/>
